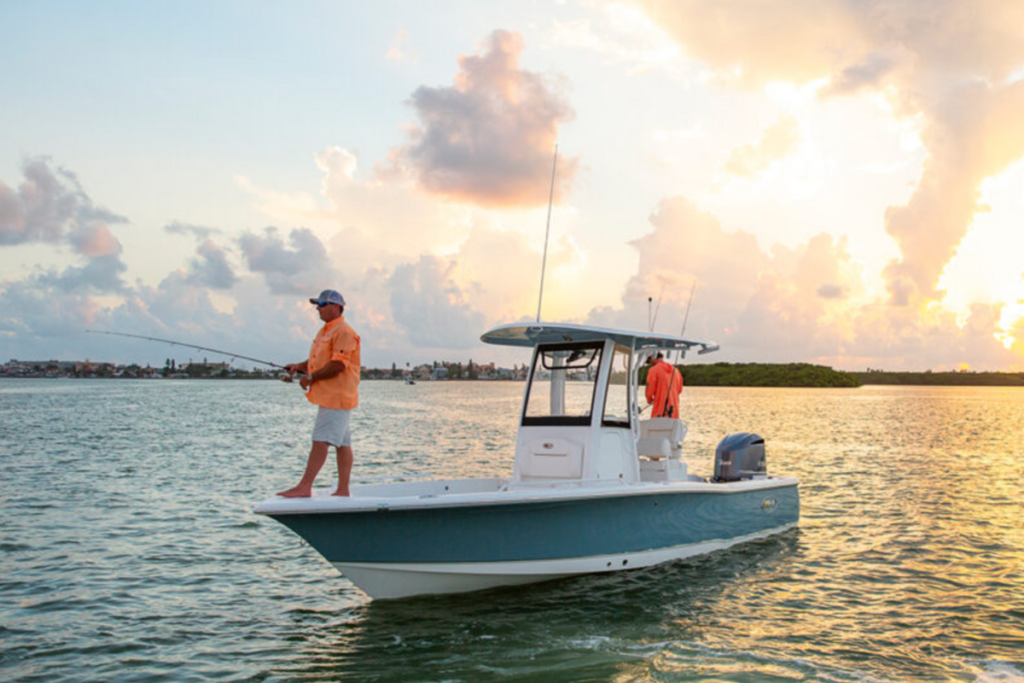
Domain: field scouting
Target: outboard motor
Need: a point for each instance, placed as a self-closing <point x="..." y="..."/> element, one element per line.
<point x="740" y="456"/>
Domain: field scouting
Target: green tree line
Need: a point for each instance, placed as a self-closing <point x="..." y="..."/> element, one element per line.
<point x="762" y="375"/>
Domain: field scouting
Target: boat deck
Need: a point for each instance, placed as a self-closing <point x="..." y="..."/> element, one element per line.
<point x="495" y="491"/>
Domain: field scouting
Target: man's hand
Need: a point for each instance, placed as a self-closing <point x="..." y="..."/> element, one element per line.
<point x="306" y="382"/>
<point x="291" y="369"/>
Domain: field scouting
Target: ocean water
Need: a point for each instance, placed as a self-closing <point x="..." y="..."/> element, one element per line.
<point x="129" y="552"/>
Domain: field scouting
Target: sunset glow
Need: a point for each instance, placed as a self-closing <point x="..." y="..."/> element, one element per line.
<point x="843" y="183"/>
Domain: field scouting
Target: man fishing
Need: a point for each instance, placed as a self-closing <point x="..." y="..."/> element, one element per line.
<point x="664" y="384"/>
<point x="331" y="381"/>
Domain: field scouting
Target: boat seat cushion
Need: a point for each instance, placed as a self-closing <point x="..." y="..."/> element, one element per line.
<point x="653" y="447"/>
<point x="666" y="427"/>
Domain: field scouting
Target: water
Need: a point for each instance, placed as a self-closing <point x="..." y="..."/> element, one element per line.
<point x="128" y="550"/>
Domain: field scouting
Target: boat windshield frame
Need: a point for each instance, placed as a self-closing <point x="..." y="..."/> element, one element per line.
<point x="563" y="420"/>
<point x="620" y="350"/>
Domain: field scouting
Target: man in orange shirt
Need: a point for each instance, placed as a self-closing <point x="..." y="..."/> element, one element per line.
<point x="664" y="384"/>
<point x="331" y="381"/>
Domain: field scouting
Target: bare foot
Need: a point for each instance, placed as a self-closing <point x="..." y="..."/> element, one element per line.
<point x="339" y="492"/>
<point x="297" y="492"/>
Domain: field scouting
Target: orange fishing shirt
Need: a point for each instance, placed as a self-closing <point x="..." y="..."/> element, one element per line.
<point x="335" y="341"/>
<point x="664" y="384"/>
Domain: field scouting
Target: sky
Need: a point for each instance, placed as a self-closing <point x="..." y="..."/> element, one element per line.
<point x="831" y="181"/>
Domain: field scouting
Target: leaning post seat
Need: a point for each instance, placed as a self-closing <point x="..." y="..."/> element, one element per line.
<point x="660" y="448"/>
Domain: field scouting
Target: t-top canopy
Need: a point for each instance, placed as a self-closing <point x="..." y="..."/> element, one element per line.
<point x="531" y="334"/>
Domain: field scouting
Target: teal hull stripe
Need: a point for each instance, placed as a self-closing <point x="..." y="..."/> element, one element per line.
<point x="544" y="530"/>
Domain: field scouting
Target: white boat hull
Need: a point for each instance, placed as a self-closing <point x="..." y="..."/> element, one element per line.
<point x="390" y="580"/>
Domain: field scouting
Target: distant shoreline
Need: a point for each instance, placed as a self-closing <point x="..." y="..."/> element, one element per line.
<point x="820" y="376"/>
<point x="942" y="379"/>
<point x="782" y="375"/>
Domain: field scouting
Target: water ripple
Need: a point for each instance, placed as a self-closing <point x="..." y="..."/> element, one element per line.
<point x="128" y="550"/>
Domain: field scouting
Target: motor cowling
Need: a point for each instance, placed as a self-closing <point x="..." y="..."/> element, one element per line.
<point x="740" y="456"/>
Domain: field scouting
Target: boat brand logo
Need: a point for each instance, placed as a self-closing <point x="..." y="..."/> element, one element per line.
<point x="769" y="504"/>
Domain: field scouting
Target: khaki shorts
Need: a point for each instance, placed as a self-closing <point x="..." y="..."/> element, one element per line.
<point x="332" y="426"/>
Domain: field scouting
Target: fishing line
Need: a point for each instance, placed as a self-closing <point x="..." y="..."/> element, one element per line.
<point x="192" y="346"/>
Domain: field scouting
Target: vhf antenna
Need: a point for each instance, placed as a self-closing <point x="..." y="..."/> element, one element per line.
<point x="687" y="316"/>
<point x="654" y="320"/>
<point x="547" y="232"/>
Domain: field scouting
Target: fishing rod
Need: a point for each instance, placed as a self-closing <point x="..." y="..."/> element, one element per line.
<point x="654" y="320"/>
<point x="191" y="346"/>
<point x="687" y="316"/>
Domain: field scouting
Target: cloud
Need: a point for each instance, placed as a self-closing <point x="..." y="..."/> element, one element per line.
<point x="901" y="338"/>
<point x="488" y="139"/>
<point x="31" y="312"/>
<point x="952" y="66"/>
<point x="832" y="292"/>
<point x="210" y="267"/>
<point x="386" y="233"/>
<point x="807" y="302"/>
<point x="430" y="307"/>
<point x="366" y="223"/>
<point x="100" y="275"/>
<point x="776" y="143"/>
<point x="755" y="43"/>
<point x="500" y="271"/>
<point x="398" y="50"/>
<point x="622" y="35"/>
<point x="198" y="231"/>
<point x="973" y="131"/>
<point x="51" y="206"/>
<point x="93" y="240"/>
<point x="760" y="305"/>
<point x="298" y="267"/>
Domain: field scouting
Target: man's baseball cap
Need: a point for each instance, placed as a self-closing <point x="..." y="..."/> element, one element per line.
<point x="328" y="296"/>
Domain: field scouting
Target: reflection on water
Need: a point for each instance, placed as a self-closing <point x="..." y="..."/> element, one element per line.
<point x="128" y="549"/>
<point x="599" y="627"/>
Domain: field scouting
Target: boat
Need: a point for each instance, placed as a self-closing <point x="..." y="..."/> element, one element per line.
<point x="595" y="487"/>
<point x="409" y="380"/>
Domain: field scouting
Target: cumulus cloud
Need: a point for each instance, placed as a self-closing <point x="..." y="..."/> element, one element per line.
<point x="807" y="301"/>
<point x="973" y="131"/>
<point x="296" y="267"/>
<point x="500" y="270"/>
<point x="100" y="275"/>
<point x="211" y="268"/>
<point x="952" y="66"/>
<point x="777" y="142"/>
<point x="488" y="139"/>
<point x="31" y="312"/>
<point x="431" y="308"/>
<point x="902" y="339"/>
<point x="51" y="206"/>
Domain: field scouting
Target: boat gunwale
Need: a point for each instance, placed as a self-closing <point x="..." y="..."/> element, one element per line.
<point x="504" y="496"/>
